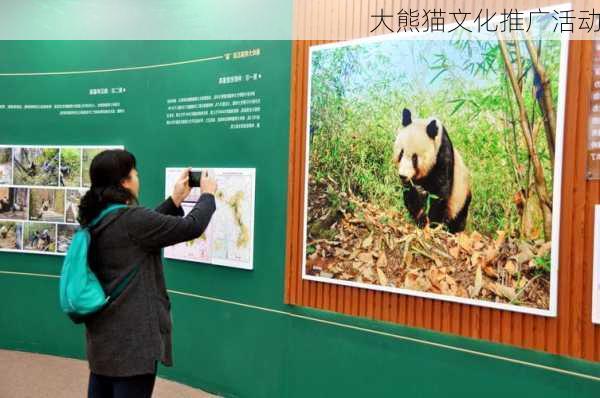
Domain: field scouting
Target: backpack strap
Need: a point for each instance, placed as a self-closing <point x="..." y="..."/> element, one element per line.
<point x="106" y="211"/>
<point x="125" y="281"/>
<point x="116" y="292"/>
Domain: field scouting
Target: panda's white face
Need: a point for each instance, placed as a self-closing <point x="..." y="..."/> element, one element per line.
<point x="416" y="147"/>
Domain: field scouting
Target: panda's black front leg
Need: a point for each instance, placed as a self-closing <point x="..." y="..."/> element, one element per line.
<point x="437" y="210"/>
<point x="415" y="200"/>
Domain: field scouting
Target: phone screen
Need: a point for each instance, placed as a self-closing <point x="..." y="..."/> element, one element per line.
<point x="195" y="176"/>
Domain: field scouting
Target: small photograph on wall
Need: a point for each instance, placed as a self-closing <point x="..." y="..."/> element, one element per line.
<point x="11" y="235"/>
<point x="88" y="155"/>
<point x="70" y="167"/>
<point x="14" y="203"/>
<point x="72" y="207"/>
<point x="434" y="166"/>
<point x="39" y="237"/>
<point x="47" y="205"/>
<point x="5" y="165"/>
<point x="65" y="237"/>
<point x="37" y="166"/>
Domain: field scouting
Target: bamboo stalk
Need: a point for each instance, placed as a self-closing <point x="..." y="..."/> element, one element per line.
<point x="545" y="102"/>
<point x="539" y="179"/>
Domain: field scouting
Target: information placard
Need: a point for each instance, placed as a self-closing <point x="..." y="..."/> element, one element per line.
<point x="593" y="164"/>
<point x="596" y="280"/>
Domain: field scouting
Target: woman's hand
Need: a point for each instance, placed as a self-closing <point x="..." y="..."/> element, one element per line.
<point x="208" y="184"/>
<point x="182" y="189"/>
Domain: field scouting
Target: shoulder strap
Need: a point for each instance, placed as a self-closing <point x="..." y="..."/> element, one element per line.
<point x="103" y="213"/>
<point x="116" y="292"/>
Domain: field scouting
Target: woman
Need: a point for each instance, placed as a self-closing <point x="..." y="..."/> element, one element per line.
<point x="128" y="337"/>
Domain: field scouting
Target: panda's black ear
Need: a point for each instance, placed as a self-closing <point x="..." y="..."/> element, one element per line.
<point x="432" y="129"/>
<point x="406" y="117"/>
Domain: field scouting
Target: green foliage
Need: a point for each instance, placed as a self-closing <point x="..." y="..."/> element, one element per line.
<point x="357" y="96"/>
<point x="38" y="166"/>
<point x="5" y="155"/>
<point x="70" y="162"/>
<point x="355" y="163"/>
<point x="543" y="264"/>
<point x="88" y="156"/>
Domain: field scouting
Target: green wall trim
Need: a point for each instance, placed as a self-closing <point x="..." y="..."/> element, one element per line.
<point x="232" y="335"/>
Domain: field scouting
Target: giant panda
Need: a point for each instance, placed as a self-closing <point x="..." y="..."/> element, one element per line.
<point x="431" y="170"/>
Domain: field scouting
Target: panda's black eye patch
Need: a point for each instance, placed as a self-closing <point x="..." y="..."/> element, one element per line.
<point x="401" y="154"/>
<point x="415" y="160"/>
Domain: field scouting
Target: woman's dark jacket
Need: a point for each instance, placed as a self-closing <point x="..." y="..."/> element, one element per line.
<point x="133" y="332"/>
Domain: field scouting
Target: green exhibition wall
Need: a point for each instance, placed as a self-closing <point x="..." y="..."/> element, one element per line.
<point x="232" y="333"/>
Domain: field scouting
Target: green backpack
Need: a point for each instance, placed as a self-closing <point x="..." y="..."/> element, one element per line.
<point x="81" y="294"/>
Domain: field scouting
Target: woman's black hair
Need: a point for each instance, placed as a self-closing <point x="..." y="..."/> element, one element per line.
<point x="108" y="170"/>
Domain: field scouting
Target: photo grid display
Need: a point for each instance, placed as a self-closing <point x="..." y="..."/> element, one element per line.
<point x="40" y="191"/>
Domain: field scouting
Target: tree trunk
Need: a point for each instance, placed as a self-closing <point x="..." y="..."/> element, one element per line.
<point x="538" y="170"/>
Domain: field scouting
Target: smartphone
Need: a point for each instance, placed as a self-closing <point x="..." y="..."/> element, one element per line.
<point x="195" y="175"/>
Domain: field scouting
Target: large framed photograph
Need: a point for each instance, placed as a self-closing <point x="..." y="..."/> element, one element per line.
<point x="433" y="167"/>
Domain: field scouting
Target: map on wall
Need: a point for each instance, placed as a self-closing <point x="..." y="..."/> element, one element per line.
<point x="229" y="238"/>
<point x="40" y="190"/>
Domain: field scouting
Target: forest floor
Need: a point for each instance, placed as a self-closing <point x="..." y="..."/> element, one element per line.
<point x="64" y="240"/>
<point x="41" y="179"/>
<point x="49" y="248"/>
<point x="10" y="242"/>
<point x="51" y="216"/>
<point x="17" y="215"/>
<point x="377" y="246"/>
